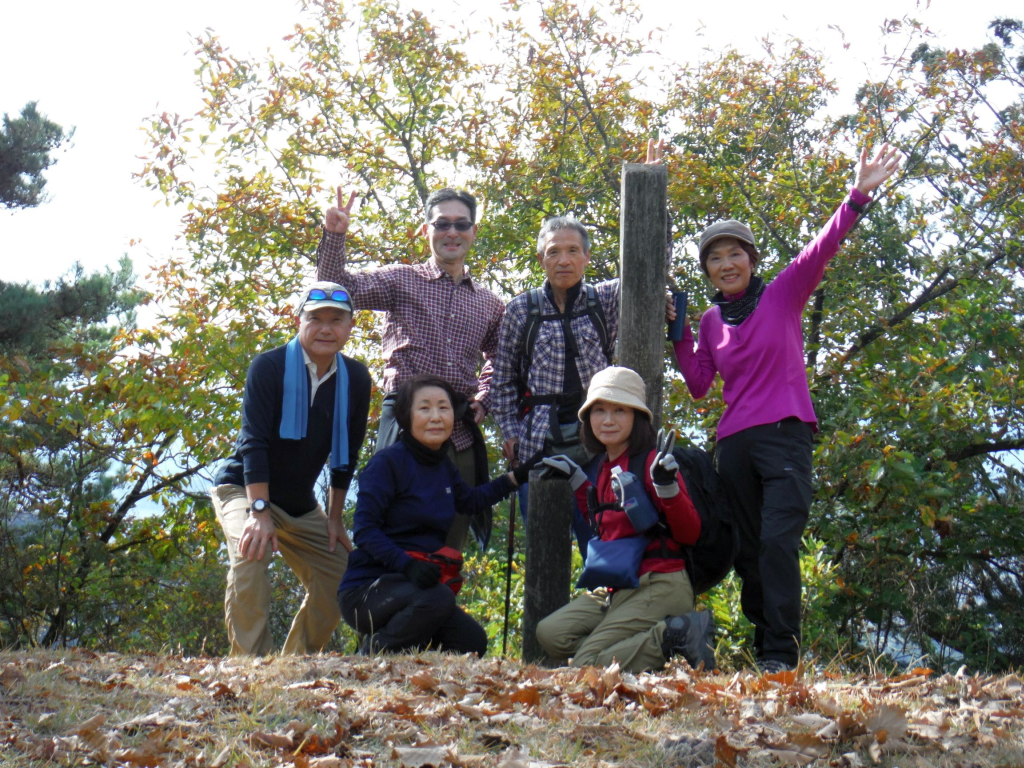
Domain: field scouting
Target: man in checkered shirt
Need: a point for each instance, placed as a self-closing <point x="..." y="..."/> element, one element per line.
<point x="438" y="319"/>
<point x="560" y="368"/>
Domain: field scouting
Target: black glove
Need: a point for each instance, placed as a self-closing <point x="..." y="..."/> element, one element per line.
<point x="665" y="467"/>
<point x="421" y="573"/>
<point x="522" y="472"/>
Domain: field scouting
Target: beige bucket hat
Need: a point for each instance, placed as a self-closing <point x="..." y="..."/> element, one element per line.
<point x="620" y="386"/>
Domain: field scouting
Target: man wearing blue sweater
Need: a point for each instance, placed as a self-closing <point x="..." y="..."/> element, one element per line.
<point x="303" y="402"/>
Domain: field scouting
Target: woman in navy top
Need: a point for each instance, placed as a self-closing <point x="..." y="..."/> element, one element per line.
<point x="408" y="496"/>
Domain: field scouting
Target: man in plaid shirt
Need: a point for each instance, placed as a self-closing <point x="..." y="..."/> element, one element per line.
<point x="562" y="363"/>
<point x="438" y="319"/>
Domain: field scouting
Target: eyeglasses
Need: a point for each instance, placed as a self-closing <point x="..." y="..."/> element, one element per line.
<point x="319" y="294"/>
<point x="443" y="225"/>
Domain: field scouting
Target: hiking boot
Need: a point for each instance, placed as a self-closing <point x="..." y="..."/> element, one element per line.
<point x="774" y="666"/>
<point x="692" y="637"/>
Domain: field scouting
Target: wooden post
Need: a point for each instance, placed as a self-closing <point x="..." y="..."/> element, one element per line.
<point x="643" y="270"/>
<point x="548" y="557"/>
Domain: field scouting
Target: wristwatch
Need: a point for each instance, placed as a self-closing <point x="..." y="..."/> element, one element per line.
<point x="258" y="505"/>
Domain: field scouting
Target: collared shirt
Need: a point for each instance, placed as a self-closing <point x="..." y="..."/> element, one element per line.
<point x="314" y="382"/>
<point x="434" y="325"/>
<point x="547" y="369"/>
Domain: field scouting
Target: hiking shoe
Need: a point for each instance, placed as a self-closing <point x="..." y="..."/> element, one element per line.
<point x="692" y="637"/>
<point x="774" y="666"/>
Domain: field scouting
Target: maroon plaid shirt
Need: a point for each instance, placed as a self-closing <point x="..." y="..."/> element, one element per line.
<point x="433" y="325"/>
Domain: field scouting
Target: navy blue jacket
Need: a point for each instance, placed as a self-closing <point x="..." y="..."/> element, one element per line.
<point x="407" y="506"/>
<point x="292" y="467"/>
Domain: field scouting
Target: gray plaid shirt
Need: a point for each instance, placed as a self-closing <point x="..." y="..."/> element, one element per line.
<point x="548" y="365"/>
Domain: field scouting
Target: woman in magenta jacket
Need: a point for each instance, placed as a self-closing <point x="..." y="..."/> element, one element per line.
<point x="752" y="337"/>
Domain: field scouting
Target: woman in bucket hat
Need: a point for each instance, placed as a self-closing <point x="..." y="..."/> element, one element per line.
<point x="753" y="337"/>
<point x="642" y="626"/>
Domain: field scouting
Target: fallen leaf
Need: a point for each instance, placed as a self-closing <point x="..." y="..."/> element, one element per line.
<point x="424" y="681"/>
<point x="725" y="752"/>
<point x="329" y="762"/>
<point x="801" y="749"/>
<point x="273" y="740"/>
<point x="811" y="720"/>
<point x="887" y="722"/>
<point x="90" y="725"/>
<point x="420" y="757"/>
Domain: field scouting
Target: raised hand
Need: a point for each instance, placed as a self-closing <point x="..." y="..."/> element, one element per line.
<point x="871" y="173"/>
<point x="665" y="467"/>
<point x="562" y="466"/>
<point x="655" y="151"/>
<point x="339" y="217"/>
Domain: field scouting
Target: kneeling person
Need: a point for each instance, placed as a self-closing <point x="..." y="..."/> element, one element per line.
<point x="645" y="626"/>
<point x="409" y="494"/>
<point x="303" y="402"/>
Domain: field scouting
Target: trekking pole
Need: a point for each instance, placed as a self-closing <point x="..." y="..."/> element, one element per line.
<point x="508" y="569"/>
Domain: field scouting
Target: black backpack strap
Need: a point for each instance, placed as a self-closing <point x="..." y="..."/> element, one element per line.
<point x="534" y="299"/>
<point x="596" y="314"/>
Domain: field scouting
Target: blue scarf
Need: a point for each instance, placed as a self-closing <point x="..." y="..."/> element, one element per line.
<point x="295" y="405"/>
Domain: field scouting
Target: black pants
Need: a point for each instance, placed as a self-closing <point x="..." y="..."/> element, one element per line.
<point x="767" y="473"/>
<point x="400" y="616"/>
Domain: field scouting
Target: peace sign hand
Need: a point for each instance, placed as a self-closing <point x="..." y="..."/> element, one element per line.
<point x="338" y="217"/>
<point x="665" y="466"/>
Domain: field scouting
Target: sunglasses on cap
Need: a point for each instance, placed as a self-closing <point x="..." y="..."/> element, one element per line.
<point x="443" y="225"/>
<point x="319" y="294"/>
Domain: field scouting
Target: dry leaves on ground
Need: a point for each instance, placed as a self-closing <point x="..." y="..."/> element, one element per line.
<point x="433" y="710"/>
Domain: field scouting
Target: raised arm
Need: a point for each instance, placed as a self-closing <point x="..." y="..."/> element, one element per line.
<point x="374" y="289"/>
<point x="799" y="279"/>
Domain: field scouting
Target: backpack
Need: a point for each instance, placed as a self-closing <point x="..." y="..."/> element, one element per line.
<point x="710" y="559"/>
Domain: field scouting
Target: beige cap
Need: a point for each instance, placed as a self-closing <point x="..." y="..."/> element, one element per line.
<point x="323" y="294"/>
<point x="618" y="385"/>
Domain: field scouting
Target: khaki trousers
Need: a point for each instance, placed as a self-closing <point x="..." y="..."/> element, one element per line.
<point x="303" y="544"/>
<point x="628" y="629"/>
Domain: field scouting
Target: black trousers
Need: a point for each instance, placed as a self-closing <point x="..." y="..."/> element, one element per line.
<point x="767" y="473"/>
<point x="399" y="616"/>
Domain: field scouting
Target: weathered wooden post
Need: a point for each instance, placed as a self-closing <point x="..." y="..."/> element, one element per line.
<point x="548" y="557"/>
<point x="643" y="270"/>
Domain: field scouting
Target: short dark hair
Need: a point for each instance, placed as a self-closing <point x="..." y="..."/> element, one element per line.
<point x="562" y="222"/>
<point x="641" y="440"/>
<point x="444" y="195"/>
<point x="407" y="393"/>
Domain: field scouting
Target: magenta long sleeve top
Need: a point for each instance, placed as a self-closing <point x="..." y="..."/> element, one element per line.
<point x="761" y="360"/>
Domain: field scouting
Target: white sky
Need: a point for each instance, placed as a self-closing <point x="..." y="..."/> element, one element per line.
<point x="103" y="67"/>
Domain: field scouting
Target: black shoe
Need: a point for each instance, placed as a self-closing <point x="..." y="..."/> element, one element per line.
<point x="774" y="666"/>
<point x="692" y="637"/>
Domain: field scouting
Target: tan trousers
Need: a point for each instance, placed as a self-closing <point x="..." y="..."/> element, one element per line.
<point x="303" y="545"/>
<point x="629" y="630"/>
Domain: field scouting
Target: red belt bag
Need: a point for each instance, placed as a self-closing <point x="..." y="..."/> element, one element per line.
<point x="450" y="561"/>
